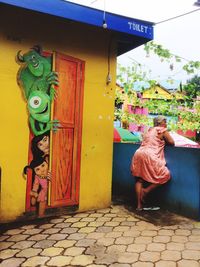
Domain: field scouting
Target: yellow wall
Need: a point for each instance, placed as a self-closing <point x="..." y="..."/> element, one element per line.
<point x="24" y="30"/>
<point x="151" y="93"/>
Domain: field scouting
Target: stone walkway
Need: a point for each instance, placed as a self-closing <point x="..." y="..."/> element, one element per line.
<point x="114" y="237"/>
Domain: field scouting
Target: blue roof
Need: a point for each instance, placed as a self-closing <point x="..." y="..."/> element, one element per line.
<point x="133" y="32"/>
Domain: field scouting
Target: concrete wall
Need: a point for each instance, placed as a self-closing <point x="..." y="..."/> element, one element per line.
<point x="181" y="195"/>
<point x="21" y="30"/>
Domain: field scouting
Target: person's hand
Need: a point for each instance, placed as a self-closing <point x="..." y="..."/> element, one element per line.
<point x="49" y="175"/>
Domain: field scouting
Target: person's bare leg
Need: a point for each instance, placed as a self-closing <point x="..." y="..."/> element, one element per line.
<point x="138" y="190"/>
<point x="149" y="188"/>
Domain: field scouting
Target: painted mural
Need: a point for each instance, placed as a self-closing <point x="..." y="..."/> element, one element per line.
<point x="37" y="81"/>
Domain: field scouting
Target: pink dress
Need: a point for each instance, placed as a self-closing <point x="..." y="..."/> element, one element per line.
<point x="42" y="196"/>
<point x="148" y="161"/>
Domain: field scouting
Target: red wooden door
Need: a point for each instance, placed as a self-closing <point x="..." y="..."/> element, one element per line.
<point x="66" y="142"/>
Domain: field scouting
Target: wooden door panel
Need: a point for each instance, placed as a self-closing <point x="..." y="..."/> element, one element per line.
<point x="62" y="166"/>
<point x="66" y="145"/>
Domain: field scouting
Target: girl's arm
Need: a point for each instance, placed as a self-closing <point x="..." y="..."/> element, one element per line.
<point x="168" y="139"/>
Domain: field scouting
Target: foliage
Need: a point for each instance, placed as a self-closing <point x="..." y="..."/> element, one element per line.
<point x="165" y="54"/>
<point x="192" y="88"/>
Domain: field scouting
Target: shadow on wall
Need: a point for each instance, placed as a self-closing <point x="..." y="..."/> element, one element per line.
<point x="181" y="195"/>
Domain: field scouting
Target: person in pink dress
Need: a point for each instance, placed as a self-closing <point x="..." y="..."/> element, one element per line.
<point x="148" y="163"/>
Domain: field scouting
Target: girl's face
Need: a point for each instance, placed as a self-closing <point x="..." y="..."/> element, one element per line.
<point x="42" y="169"/>
<point x="163" y="123"/>
<point x="43" y="145"/>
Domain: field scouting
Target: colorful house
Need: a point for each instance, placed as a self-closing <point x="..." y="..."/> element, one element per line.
<point x="58" y="74"/>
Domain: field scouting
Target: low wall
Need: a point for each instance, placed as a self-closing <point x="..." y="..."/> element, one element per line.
<point x="180" y="195"/>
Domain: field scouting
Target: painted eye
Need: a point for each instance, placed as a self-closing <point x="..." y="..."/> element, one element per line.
<point x="35" y="101"/>
<point x="33" y="57"/>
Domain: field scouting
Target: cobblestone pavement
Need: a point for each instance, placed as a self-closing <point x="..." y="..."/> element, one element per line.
<point x="113" y="237"/>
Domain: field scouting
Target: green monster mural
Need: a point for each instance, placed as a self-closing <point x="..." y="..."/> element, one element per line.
<point x="37" y="80"/>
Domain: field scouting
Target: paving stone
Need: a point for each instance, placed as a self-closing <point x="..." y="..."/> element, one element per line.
<point x="59" y="261"/>
<point x="119" y="219"/>
<point x="57" y="220"/>
<point x="165" y="264"/>
<point x="121" y="228"/>
<point x="107" y="258"/>
<point x="35" y="261"/>
<point x="57" y="236"/>
<point x="30" y="226"/>
<point x="8" y="253"/>
<point x="14" y="232"/>
<point x="111" y="215"/>
<point x="69" y="230"/>
<point x="136" y="248"/>
<point x="72" y="220"/>
<point x="17" y="238"/>
<point x="179" y="239"/>
<point x="65" y="243"/>
<point x="125" y="223"/>
<point x="87" y="229"/>
<point x="116" y="249"/>
<point x="76" y="236"/>
<point x="46" y="226"/>
<point x="96" y="215"/>
<point x="96" y="265"/>
<point x="182" y="232"/>
<point x="161" y="239"/>
<point x="132" y="219"/>
<point x="4" y="245"/>
<point x="96" y="250"/>
<point x="131" y="233"/>
<point x="191" y="254"/>
<point x="103" y="219"/>
<point x="120" y="265"/>
<point x="29" y="252"/>
<point x="143" y="240"/>
<point x="143" y="264"/>
<point x="171" y="255"/>
<point x="51" y="252"/>
<point x="187" y="263"/>
<point x="105" y="211"/>
<point x="85" y="242"/>
<point x="165" y="232"/>
<point x="149" y="256"/>
<point x="124" y="240"/>
<point x="193" y="245"/>
<point x="74" y="251"/>
<point x="23" y="244"/>
<point x="13" y="262"/>
<point x="96" y="224"/>
<point x="111" y="223"/>
<point x="4" y="237"/>
<point x="106" y="241"/>
<point x="82" y="260"/>
<point x="38" y="237"/>
<point x="148" y="233"/>
<point x="81" y="215"/>
<point x="79" y="224"/>
<point x="104" y="229"/>
<point x="156" y="247"/>
<point x="32" y="231"/>
<point x="44" y="244"/>
<point x="51" y="231"/>
<point x="62" y="225"/>
<point x="128" y="257"/>
<point x="95" y="235"/>
<point x="114" y="234"/>
<point x="194" y="238"/>
<point x="196" y="231"/>
<point x="175" y="246"/>
<point x="87" y="219"/>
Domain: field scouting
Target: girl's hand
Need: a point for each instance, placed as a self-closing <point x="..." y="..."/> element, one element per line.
<point x="49" y="176"/>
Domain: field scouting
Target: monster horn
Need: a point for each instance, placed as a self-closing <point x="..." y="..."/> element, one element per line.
<point x="20" y="58"/>
<point x="37" y="48"/>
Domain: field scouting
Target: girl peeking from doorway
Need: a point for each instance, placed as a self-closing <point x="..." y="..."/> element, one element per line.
<point x="40" y="168"/>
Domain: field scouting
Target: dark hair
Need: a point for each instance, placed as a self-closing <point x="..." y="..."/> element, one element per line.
<point x="34" y="144"/>
<point x="34" y="163"/>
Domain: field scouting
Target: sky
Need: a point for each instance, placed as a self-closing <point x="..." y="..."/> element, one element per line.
<point x="180" y="35"/>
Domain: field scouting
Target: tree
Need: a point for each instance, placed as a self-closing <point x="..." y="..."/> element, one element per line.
<point x="192" y="88"/>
